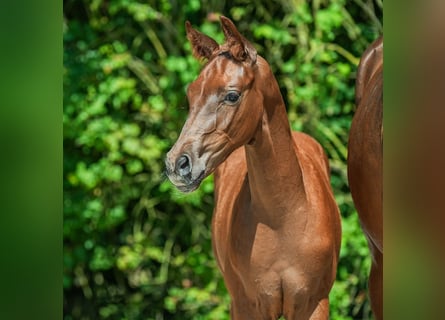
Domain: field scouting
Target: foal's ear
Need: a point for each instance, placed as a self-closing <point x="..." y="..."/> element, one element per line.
<point x="240" y="48"/>
<point x="202" y="45"/>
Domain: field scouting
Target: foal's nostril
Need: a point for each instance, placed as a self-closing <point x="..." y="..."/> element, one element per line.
<point x="183" y="166"/>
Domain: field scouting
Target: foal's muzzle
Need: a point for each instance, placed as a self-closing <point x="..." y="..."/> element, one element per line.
<point x="181" y="174"/>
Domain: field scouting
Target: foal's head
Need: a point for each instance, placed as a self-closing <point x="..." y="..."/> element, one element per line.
<point x="225" y="107"/>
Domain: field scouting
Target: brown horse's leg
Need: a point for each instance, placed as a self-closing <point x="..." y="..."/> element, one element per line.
<point x="244" y="311"/>
<point x="317" y="311"/>
<point x="241" y="308"/>
<point x="321" y="312"/>
<point x="265" y="307"/>
<point x="376" y="284"/>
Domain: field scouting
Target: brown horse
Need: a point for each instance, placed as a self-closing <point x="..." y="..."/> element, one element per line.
<point x="365" y="163"/>
<point x="276" y="227"/>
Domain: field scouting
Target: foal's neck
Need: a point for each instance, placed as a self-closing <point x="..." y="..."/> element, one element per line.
<point x="275" y="177"/>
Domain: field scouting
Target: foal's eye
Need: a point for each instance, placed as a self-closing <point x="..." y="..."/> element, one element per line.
<point x="232" y="97"/>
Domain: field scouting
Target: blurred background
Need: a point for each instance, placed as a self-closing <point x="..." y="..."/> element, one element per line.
<point x="135" y="248"/>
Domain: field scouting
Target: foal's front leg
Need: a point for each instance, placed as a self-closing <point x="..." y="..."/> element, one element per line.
<point x="239" y="311"/>
<point x="318" y="310"/>
<point x="321" y="312"/>
<point x="264" y="307"/>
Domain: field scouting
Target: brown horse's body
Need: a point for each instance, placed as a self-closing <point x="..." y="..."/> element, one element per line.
<point x="365" y="163"/>
<point x="279" y="259"/>
<point x="276" y="227"/>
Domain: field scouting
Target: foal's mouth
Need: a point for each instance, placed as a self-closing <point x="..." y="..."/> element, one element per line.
<point x="191" y="185"/>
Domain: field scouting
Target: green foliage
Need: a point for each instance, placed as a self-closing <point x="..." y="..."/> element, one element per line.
<point x="135" y="248"/>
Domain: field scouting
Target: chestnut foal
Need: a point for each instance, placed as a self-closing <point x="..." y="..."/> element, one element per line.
<point x="365" y="163"/>
<point x="276" y="227"/>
